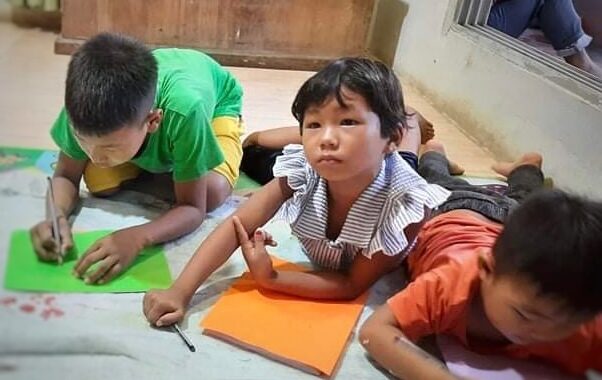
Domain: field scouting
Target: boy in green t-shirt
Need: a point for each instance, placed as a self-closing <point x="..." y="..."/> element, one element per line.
<point x="128" y="109"/>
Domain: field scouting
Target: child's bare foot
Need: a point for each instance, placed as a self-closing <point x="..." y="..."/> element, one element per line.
<point x="436" y="146"/>
<point x="583" y="61"/>
<point x="427" y="131"/>
<point x="505" y="168"/>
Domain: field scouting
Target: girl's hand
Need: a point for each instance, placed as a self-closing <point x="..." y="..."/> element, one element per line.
<point x="164" y="307"/>
<point x="257" y="258"/>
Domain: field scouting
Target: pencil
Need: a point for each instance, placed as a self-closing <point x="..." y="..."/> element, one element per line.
<point x="56" y="232"/>
<point x="184" y="337"/>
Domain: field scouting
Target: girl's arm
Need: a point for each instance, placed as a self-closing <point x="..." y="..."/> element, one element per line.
<point x="385" y="342"/>
<point x="165" y="307"/>
<point x="318" y="285"/>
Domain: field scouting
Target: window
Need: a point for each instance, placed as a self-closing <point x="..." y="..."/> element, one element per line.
<point x="473" y="15"/>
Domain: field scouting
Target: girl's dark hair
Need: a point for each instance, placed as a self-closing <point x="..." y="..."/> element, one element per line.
<point x="373" y="80"/>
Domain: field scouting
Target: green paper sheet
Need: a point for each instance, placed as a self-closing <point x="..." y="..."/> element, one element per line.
<point x="25" y="272"/>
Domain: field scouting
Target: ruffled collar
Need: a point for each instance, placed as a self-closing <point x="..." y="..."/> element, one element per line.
<point x="364" y="216"/>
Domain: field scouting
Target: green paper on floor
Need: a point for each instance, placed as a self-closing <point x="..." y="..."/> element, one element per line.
<point x="25" y="272"/>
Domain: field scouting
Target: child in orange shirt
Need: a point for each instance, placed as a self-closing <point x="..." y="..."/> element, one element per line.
<point x="530" y="288"/>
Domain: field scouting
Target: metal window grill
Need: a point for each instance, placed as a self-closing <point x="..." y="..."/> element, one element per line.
<point x="473" y="12"/>
<point x="473" y="15"/>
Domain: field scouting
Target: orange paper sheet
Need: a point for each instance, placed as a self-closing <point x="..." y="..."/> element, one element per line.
<point x="307" y="334"/>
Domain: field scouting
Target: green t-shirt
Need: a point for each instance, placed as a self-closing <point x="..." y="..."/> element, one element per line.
<point x="192" y="90"/>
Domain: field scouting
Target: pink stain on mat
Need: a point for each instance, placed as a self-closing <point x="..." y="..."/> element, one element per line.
<point x="7" y="301"/>
<point x="27" y="308"/>
<point x="49" y="300"/>
<point x="52" y="312"/>
<point x="49" y="311"/>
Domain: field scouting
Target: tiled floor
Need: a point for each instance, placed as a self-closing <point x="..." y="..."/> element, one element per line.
<point x="32" y="81"/>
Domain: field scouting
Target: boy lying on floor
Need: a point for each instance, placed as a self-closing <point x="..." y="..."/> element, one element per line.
<point x="530" y="288"/>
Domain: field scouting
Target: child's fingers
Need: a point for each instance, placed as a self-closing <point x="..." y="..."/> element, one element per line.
<point x="93" y="255"/>
<point x="102" y="268"/>
<point x="269" y="240"/>
<point x="155" y="311"/>
<point x="170" y="318"/>
<point x="40" y="246"/>
<point x="66" y="236"/>
<point x="111" y="274"/>
<point x="259" y="241"/>
<point x="44" y="232"/>
<point x="46" y="242"/>
<point x="147" y="300"/>
<point x="153" y="307"/>
<point x="243" y="238"/>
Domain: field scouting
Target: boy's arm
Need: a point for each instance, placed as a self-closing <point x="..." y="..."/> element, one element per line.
<point x="65" y="183"/>
<point x="317" y="285"/>
<point x="385" y="342"/>
<point x="115" y="252"/>
<point x="187" y="214"/>
<point x="167" y="307"/>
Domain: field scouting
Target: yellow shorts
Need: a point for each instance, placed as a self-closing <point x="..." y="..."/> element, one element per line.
<point x="227" y="129"/>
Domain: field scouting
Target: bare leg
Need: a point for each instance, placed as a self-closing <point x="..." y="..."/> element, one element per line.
<point x="435" y="146"/>
<point x="524" y="175"/>
<point x="427" y="131"/>
<point x="505" y="168"/>
<point x="218" y="189"/>
<point x="410" y="141"/>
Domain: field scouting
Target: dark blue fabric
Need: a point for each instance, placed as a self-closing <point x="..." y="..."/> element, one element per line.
<point x="557" y="19"/>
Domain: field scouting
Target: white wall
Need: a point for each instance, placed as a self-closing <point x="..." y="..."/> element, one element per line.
<point x="508" y="102"/>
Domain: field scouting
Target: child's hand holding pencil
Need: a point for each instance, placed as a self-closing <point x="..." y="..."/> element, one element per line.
<point x="52" y="238"/>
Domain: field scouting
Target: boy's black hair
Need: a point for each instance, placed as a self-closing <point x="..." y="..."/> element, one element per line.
<point x="554" y="239"/>
<point x="373" y="80"/>
<point x="111" y="82"/>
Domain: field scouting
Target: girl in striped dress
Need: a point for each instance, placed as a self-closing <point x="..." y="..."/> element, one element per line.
<point x="354" y="203"/>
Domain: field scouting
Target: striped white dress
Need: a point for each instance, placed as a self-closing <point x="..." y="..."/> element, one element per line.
<point x="376" y="221"/>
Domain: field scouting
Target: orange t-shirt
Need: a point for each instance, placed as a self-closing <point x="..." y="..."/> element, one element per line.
<point x="444" y="272"/>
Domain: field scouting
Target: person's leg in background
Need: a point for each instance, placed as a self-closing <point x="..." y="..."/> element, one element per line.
<point x="524" y="175"/>
<point x="561" y="25"/>
<point x="513" y="17"/>
<point x="435" y="167"/>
